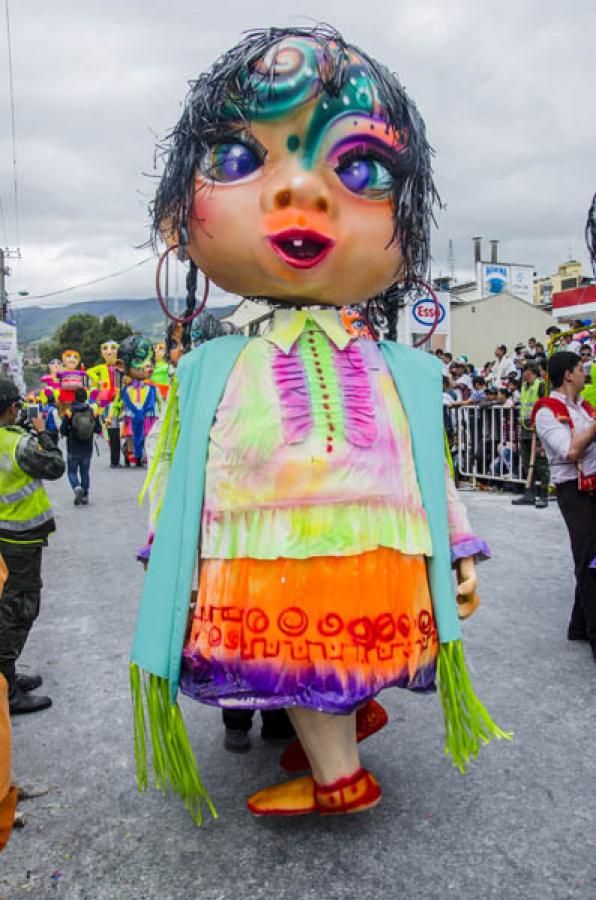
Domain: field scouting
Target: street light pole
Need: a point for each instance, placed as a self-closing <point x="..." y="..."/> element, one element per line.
<point x="2" y="290"/>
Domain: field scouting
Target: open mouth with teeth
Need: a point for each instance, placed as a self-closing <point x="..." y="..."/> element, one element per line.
<point x="301" y="248"/>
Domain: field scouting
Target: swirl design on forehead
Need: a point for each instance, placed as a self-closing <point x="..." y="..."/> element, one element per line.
<point x="285" y="77"/>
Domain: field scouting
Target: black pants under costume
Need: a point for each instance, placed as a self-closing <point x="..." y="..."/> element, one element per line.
<point x="114" y="439"/>
<point x="276" y="722"/>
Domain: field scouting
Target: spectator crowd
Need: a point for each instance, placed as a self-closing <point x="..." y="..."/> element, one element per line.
<point x="493" y="441"/>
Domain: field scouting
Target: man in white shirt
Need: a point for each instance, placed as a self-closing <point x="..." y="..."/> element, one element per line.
<point x="565" y="447"/>
<point x="502" y="367"/>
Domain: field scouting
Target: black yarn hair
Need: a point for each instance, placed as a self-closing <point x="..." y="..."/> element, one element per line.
<point x="207" y="108"/>
<point x="591" y="233"/>
<point x="559" y="363"/>
<point x="191" y="304"/>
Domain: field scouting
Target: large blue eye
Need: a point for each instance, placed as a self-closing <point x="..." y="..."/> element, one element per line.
<point x="229" y="162"/>
<point x="367" y="177"/>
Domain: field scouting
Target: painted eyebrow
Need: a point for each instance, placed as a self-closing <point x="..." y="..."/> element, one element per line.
<point x="231" y="134"/>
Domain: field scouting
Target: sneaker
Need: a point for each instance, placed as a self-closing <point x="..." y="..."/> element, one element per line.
<point x="236" y="741"/>
<point x="78" y="495"/>
<point x="26" y="683"/>
<point x="21" y="703"/>
<point x="526" y="499"/>
<point x="85" y="499"/>
<point x="541" y="503"/>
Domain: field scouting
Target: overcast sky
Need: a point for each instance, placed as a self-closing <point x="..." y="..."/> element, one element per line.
<point x="505" y="87"/>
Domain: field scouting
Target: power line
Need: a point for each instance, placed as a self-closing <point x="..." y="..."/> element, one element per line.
<point x="12" y="119"/>
<point x="83" y="284"/>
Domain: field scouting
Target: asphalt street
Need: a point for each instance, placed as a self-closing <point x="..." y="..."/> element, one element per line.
<point x="520" y="824"/>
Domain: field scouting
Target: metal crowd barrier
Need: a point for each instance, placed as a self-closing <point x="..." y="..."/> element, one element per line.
<point x="484" y="443"/>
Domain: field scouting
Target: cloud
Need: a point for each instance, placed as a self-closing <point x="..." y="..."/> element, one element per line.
<point x="505" y="91"/>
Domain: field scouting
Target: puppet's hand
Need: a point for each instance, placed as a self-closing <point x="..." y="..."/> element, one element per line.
<point x="467" y="581"/>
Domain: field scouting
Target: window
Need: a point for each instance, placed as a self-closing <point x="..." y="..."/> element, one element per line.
<point x="567" y="284"/>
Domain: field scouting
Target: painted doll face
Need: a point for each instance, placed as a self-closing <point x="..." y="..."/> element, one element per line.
<point x="109" y="352"/>
<point x="55" y="366"/>
<point x="71" y="359"/>
<point x="295" y="203"/>
<point x="159" y="350"/>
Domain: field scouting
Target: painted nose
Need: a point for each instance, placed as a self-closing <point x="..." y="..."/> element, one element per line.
<point x="303" y="190"/>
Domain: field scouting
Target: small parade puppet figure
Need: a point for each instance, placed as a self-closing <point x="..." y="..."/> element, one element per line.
<point x="72" y="376"/>
<point x="308" y="467"/>
<point x="161" y="369"/>
<point x="105" y="379"/>
<point x="52" y="380"/>
<point x="138" y="397"/>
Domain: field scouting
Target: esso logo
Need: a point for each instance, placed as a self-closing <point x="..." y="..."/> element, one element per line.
<point x="424" y="312"/>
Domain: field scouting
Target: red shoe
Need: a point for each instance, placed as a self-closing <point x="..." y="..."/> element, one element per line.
<point x="355" y="794"/>
<point x="293" y="798"/>
<point x="302" y="796"/>
<point x="370" y="718"/>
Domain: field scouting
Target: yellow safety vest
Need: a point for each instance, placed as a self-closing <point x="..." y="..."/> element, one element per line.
<point x="529" y="397"/>
<point x="589" y="392"/>
<point x="24" y="503"/>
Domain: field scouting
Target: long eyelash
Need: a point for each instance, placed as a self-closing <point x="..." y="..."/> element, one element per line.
<point x="366" y="151"/>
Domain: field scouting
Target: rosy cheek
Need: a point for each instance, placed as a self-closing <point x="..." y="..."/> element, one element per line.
<point x="203" y="206"/>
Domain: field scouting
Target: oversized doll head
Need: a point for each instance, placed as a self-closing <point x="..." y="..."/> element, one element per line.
<point x="55" y="367"/>
<point x="299" y="172"/>
<point x="136" y="353"/>
<point x="109" y="352"/>
<point x="71" y="360"/>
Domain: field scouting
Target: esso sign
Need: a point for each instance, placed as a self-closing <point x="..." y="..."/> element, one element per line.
<point x="424" y="312"/>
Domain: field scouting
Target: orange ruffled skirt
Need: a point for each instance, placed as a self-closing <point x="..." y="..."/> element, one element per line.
<point x="324" y="633"/>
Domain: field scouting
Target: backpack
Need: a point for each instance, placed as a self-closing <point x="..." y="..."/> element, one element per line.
<point x="83" y="424"/>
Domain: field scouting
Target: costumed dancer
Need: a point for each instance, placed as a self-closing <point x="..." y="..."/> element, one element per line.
<point x="51" y="380"/>
<point x="138" y="398"/>
<point x="161" y="369"/>
<point x="308" y="468"/>
<point x="105" y="378"/>
<point x="71" y="377"/>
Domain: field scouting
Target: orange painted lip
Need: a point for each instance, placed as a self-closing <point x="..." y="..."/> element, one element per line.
<point x="301" y="248"/>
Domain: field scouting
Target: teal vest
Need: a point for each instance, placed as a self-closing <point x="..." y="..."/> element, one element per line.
<point x="202" y="377"/>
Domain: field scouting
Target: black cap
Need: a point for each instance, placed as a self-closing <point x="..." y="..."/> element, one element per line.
<point x="9" y="392"/>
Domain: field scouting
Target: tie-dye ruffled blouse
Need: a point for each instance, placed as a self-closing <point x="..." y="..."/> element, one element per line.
<point x="310" y="452"/>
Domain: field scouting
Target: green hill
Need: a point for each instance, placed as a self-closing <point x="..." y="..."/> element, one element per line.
<point x="37" y="323"/>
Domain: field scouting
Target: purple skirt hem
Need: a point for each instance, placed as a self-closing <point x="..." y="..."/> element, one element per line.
<point x="212" y="685"/>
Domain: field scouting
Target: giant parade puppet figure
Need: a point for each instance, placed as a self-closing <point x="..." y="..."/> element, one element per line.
<point x="105" y="378"/>
<point x="51" y="380"/>
<point x="308" y="484"/>
<point x="71" y="376"/>
<point x="138" y="397"/>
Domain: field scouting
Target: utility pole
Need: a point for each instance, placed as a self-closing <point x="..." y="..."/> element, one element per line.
<point x="5" y="254"/>
<point x="2" y="290"/>
<point x="451" y="259"/>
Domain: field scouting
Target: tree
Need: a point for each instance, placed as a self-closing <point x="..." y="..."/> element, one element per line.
<point x="84" y="333"/>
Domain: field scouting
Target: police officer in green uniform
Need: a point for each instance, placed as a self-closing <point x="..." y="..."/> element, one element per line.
<point x="533" y="388"/>
<point x="27" y="454"/>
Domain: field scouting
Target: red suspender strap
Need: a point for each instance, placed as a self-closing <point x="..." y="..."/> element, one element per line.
<point x="557" y="407"/>
<point x="559" y="410"/>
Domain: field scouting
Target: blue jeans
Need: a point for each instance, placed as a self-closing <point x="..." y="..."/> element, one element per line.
<point x="79" y="463"/>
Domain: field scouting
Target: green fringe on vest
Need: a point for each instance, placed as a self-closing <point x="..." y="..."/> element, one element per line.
<point x="174" y="764"/>
<point x="467" y="723"/>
